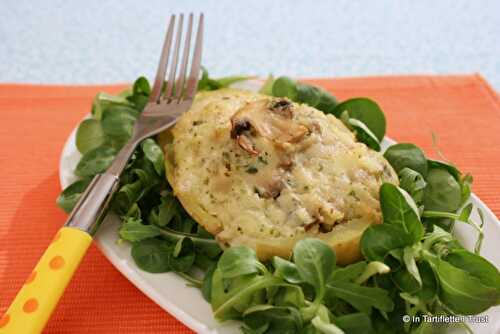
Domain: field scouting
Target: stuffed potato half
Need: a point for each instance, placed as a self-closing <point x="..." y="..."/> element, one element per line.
<point x="265" y="172"/>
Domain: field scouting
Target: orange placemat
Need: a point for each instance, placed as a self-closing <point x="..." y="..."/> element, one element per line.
<point x="35" y="121"/>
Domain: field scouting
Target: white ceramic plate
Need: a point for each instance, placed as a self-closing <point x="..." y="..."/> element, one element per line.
<point x="187" y="304"/>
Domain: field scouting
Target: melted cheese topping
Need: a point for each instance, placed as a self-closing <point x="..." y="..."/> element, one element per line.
<point x="306" y="175"/>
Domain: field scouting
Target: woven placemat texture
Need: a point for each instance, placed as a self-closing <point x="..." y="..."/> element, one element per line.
<point x="462" y="111"/>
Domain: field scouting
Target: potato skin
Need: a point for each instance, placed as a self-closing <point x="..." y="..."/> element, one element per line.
<point x="328" y="190"/>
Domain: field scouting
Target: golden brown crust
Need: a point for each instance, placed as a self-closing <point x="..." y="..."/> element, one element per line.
<point x="321" y="184"/>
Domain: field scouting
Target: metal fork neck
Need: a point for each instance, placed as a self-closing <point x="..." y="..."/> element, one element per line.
<point x="121" y="159"/>
<point x="92" y="207"/>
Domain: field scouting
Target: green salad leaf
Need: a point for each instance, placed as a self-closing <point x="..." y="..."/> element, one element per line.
<point x="68" y="198"/>
<point x="377" y="241"/>
<point x="461" y="292"/>
<point x="364" y="134"/>
<point x="323" y="325"/>
<point x="413" y="183"/>
<point x="410" y="254"/>
<point x="237" y="261"/>
<point x="134" y="230"/>
<point x="476" y="266"/>
<point x="205" y="245"/>
<point x="405" y="155"/>
<point x="89" y="135"/>
<point x="348" y="273"/>
<point x="315" y="262"/>
<point x="429" y="286"/>
<point x="141" y="87"/>
<point x="399" y="209"/>
<point x="152" y="255"/>
<point x="286" y="270"/>
<point x="206" y="83"/>
<point x="308" y="94"/>
<point x="411" y="264"/>
<point x="103" y="101"/>
<point x="206" y="287"/>
<point x="366" y="111"/>
<point x="443" y="192"/>
<point x="327" y="102"/>
<point x="153" y="152"/>
<point x="301" y="93"/>
<point x="289" y="295"/>
<point x="118" y="124"/>
<point x="285" y="87"/>
<point x="95" y="161"/>
<point x="355" y="323"/>
<point x="272" y="319"/>
<point x="361" y="298"/>
<point x="140" y="93"/>
<point x="183" y="255"/>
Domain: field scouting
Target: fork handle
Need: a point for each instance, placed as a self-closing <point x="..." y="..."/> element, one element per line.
<point x="35" y="302"/>
<point x="92" y="206"/>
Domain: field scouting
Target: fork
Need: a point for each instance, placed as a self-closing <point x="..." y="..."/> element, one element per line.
<point x="34" y="303"/>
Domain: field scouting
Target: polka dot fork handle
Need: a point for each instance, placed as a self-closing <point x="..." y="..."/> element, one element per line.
<point x="41" y="292"/>
<point x="33" y="305"/>
<point x="38" y="297"/>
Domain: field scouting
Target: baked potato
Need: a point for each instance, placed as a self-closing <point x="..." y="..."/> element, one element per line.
<point x="265" y="172"/>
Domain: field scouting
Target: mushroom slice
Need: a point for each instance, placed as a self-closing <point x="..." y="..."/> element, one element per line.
<point x="246" y="143"/>
<point x="271" y="120"/>
<point x="282" y="107"/>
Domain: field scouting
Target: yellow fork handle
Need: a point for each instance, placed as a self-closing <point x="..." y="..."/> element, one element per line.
<point x="34" y="303"/>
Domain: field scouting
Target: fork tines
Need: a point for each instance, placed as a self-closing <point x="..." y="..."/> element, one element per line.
<point x="178" y="87"/>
